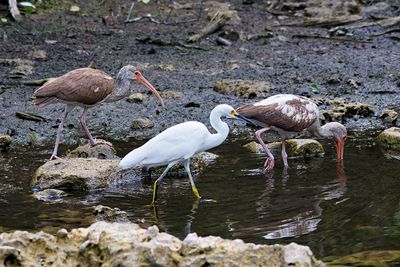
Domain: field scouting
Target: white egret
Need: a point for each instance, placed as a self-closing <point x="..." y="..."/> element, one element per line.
<point x="181" y="142"/>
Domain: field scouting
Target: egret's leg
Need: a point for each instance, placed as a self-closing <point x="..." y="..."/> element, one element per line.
<point x="92" y="141"/>
<point x="158" y="181"/>
<point x="186" y="164"/>
<point x="269" y="163"/>
<point x="284" y="155"/>
<point x="68" y="109"/>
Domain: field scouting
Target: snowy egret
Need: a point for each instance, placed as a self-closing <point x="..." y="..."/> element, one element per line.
<point x="87" y="87"/>
<point x="179" y="143"/>
<point x="289" y="115"/>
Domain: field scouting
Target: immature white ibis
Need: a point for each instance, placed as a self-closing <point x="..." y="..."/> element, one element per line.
<point x="289" y="115"/>
<point x="179" y="143"/>
<point x="86" y="87"/>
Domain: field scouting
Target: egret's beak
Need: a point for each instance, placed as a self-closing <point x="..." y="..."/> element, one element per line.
<point x="238" y="116"/>
<point x="340" y="147"/>
<point x="139" y="77"/>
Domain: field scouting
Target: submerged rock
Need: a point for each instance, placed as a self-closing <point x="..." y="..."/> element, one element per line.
<point x="100" y="151"/>
<point x="126" y="244"/>
<point x="76" y="173"/>
<point x="367" y="258"/>
<point x="50" y="195"/>
<point x="5" y="141"/>
<point x="107" y="214"/>
<point x="294" y="147"/>
<point x="243" y="88"/>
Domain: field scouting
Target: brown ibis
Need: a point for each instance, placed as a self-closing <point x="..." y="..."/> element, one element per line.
<point x="87" y="87"/>
<point x="289" y="115"/>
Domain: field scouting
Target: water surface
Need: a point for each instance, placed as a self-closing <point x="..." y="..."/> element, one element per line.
<point x="336" y="209"/>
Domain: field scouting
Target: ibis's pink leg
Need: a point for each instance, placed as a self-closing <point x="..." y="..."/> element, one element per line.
<point x="68" y="109"/>
<point x="284" y="155"/>
<point x="269" y="163"/>
<point x="92" y="141"/>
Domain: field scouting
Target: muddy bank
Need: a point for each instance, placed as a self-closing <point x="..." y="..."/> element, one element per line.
<point x="264" y="47"/>
<point x="124" y="244"/>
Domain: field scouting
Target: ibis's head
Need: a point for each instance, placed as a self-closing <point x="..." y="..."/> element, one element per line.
<point x="225" y="110"/>
<point x="339" y="134"/>
<point x="129" y="72"/>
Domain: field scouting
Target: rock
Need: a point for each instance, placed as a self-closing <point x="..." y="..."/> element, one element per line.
<point x="214" y="8"/>
<point x="342" y="110"/>
<point x="38" y="54"/>
<point x="141" y="123"/>
<point x="5" y="141"/>
<point x="50" y="195"/>
<point x="304" y="148"/>
<point x="389" y="116"/>
<point x="100" y="151"/>
<point x="294" y="147"/>
<point x="243" y="88"/>
<point x="122" y="244"/>
<point x="76" y="173"/>
<point x="107" y="214"/>
<point x="390" y="138"/>
<point x="137" y="98"/>
<point x="74" y="8"/>
<point x="171" y="94"/>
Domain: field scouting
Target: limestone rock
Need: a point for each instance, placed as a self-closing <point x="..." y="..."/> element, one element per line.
<point x="368" y="258"/>
<point x="100" y="151"/>
<point x="389" y="116"/>
<point x="390" y="138"/>
<point x="5" y="141"/>
<point x="76" y="173"/>
<point x="38" y="54"/>
<point x="294" y="147"/>
<point x="137" y="98"/>
<point x="124" y="244"/>
<point x="342" y="110"/>
<point x="141" y="123"/>
<point x="50" y="195"/>
<point x="214" y="8"/>
<point x="104" y="213"/>
<point x="243" y="88"/>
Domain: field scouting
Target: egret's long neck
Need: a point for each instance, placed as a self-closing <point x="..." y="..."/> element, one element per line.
<point x="121" y="91"/>
<point x="222" y="130"/>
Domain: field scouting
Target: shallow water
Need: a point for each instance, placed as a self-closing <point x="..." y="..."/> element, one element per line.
<point x="334" y="209"/>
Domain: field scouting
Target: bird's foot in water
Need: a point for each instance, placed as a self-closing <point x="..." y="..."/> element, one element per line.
<point x="269" y="165"/>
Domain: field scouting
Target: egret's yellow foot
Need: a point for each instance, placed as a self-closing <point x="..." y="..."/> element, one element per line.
<point x="196" y="193"/>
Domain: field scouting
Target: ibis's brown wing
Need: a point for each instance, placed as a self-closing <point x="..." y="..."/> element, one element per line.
<point x="84" y="86"/>
<point x="292" y="116"/>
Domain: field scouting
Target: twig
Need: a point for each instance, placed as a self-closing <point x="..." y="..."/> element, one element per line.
<point x="162" y="42"/>
<point x="330" y="38"/>
<point x="30" y="116"/>
<point x="385" y="32"/>
<point x="14" y="10"/>
<point x="335" y="21"/>
<point x="128" y="18"/>
<point x="212" y="27"/>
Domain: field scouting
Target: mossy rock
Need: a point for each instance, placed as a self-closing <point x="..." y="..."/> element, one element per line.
<point x="294" y="147"/>
<point x="5" y="141"/>
<point x="243" y="88"/>
<point x="390" y="138"/>
<point x="100" y="151"/>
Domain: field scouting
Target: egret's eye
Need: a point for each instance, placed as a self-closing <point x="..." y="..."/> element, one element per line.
<point x="233" y="113"/>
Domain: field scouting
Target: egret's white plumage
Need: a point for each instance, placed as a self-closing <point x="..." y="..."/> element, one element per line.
<point x="289" y="115"/>
<point x="180" y="143"/>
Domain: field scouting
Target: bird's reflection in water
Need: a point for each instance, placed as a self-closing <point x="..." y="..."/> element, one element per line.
<point x="286" y="209"/>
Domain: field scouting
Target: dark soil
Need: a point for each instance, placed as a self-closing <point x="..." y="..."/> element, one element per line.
<point x="99" y="34"/>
